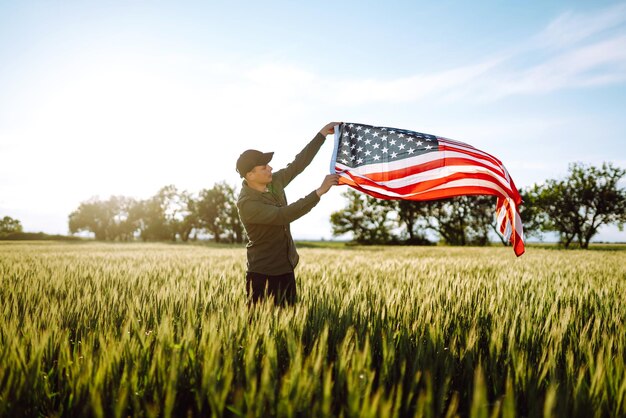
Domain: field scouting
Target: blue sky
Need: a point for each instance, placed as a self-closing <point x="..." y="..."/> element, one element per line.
<point x="102" y="98"/>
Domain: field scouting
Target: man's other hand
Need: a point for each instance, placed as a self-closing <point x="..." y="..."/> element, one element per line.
<point x="329" y="181"/>
<point x="329" y="128"/>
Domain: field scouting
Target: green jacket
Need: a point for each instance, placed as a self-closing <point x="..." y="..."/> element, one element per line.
<point x="266" y="216"/>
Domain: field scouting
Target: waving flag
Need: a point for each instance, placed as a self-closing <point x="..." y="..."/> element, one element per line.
<point x="390" y="163"/>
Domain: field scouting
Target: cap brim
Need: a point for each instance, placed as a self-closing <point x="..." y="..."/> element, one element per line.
<point x="267" y="157"/>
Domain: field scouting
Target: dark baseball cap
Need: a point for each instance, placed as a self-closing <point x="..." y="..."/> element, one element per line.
<point x="250" y="159"/>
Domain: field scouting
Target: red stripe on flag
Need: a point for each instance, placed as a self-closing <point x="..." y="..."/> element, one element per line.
<point x="428" y="166"/>
<point x="426" y="185"/>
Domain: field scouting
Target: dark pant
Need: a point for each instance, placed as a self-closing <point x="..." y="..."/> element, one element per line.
<point x="282" y="288"/>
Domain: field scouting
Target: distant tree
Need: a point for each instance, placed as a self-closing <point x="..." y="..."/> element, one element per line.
<point x="365" y="217"/>
<point x="174" y="209"/>
<point x="151" y="218"/>
<point x="461" y="220"/>
<point x="138" y="216"/>
<point x="107" y="219"/>
<point x="554" y="209"/>
<point x="234" y="227"/>
<point x="9" y="225"/>
<point x="577" y="206"/>
<point x="122" y="226"/>
<point x="531" y="214"/>
<point x="483" y="219"/>
<point x="168" y="215"/>
<point x="212" y="210"/>
<point x="93" y="215"/>
<point x="408" y="215"/>
<point x="190" y="221"/>
<point x="218" y="215"/>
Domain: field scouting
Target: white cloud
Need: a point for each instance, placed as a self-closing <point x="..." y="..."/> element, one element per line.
<point x="600" y="63"/>
<point x="409" y="88"/>
<point x="571" y="28"/>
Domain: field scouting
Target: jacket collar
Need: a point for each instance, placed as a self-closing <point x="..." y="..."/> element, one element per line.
<point x="249" y="190"/>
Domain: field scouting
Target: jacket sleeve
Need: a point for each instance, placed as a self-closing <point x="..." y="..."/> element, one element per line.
<point x="256" y="212"/>
<point x="302" y="160"/>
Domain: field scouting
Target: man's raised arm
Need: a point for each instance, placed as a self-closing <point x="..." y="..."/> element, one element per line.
<point x="304" y="158"/>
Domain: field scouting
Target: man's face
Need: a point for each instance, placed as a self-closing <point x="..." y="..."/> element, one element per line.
<point x="260" y="174"/>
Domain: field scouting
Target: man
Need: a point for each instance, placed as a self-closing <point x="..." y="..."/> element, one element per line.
<point x="266" y="216"/>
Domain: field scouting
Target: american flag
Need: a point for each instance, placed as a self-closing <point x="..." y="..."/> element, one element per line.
<point x="390" y="163"/>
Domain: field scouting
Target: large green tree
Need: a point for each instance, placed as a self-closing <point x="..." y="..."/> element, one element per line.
<point x="577" y="206"/>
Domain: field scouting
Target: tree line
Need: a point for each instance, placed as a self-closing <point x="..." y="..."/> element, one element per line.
<point x="463" y="220"/>
<point x="170" y="214"/>
<point x="12" y="230"/>
<point x="574" y="207"/>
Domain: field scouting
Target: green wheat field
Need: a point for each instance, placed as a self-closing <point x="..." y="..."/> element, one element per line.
<point x="161" y="330"/>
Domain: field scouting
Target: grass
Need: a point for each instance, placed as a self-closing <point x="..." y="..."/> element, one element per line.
<point x="164" y="330"/>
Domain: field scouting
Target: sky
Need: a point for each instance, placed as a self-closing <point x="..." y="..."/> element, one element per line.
<point x="124" y="97"/>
